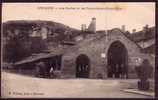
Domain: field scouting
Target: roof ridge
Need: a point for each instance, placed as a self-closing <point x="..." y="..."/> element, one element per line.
<point x="127" y="37"/>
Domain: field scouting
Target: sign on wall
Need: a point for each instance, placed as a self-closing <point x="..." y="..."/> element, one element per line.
<point x="103" y="55"/>
<point x="136" y="60"/>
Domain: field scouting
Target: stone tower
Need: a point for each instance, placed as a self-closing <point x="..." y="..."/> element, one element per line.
<point x="92" y="25"/>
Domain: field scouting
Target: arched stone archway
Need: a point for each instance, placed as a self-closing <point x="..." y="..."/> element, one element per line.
<point x="117" y="60"/>
<point x="82" y="66"/>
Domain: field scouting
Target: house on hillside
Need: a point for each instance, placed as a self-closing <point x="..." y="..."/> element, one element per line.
<point x="146" y="39"/>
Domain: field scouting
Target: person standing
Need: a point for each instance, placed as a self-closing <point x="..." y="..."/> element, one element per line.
<point x="117" y="71"/>
<point x="51" y="72"/>
<point x="122" y="71"/>
<point x="40" y="69"/>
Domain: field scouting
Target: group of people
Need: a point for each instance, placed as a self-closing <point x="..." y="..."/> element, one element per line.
<point x="117" y="71"/>
<point x="42" y="70"/>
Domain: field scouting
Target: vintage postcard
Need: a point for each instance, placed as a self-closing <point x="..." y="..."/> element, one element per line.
<point x="78" y="50"/>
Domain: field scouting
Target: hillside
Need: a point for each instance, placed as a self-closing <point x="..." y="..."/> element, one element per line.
<point x="18" y="43"/>
<point x="28" y="25"/>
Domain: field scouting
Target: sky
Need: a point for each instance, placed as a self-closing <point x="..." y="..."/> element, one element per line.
<point x="132" y="15"/>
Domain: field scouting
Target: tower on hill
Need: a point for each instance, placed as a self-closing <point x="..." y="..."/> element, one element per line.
<point x="92" y="25"/>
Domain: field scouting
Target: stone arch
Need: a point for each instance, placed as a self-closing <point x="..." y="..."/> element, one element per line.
<point x="117" y="60"/>
<point x="82" y="66"/>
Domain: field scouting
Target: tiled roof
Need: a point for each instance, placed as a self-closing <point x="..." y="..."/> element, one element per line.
<point x="36" y="57"/>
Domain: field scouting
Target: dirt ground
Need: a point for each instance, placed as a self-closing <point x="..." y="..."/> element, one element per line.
<point x="19" y="86"/>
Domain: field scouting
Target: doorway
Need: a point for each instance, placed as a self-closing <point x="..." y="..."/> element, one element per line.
<point x="82" y="66"/>
<point x="117" y="61"/>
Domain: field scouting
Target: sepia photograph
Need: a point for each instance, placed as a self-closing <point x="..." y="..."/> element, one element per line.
<point x="78" y="50"/>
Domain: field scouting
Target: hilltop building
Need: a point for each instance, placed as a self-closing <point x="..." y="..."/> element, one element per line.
<point x="98" y="55"/>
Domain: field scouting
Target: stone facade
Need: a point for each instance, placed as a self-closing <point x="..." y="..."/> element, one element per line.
<point x="97" y="50"/>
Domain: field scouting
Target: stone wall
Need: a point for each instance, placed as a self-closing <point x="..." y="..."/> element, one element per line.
<point x="94" y="48"/>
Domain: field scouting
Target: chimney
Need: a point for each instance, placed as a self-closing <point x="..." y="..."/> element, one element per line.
<point x="123" y="28"/>
<point x="94" y="19"/>
<point x="94" y="23"/>
<point x="83" y="27"/>
<point x="145" y="28"/>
